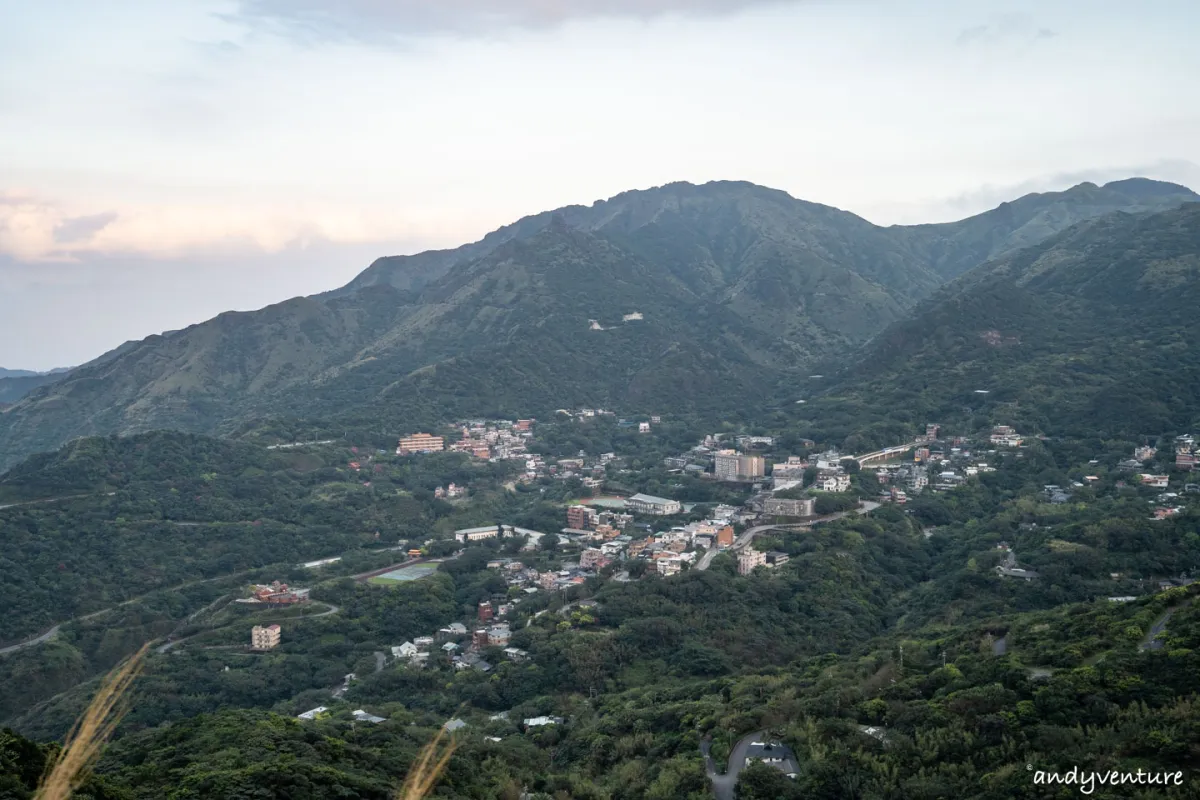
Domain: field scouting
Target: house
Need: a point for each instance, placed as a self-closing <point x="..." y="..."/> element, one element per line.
<point x="1015" y="572"/>
<point x="452" y="631"/>
<point x="454" y="725"/>
<point x="777" y="558"/>
<point x="774" y="754"/>
<point x="515" y="654"/>
<point x="363" y="716"/>
<point x="450" y="647"/>
<point x="832" y="482"/>
<point x="1154" y="481"/>
<point x="406" y="650"/>
<point x="498" y="635"/>
<point x="538" y="722"/>
<point x="320" y="712"/>
<point x="656" y="506"/>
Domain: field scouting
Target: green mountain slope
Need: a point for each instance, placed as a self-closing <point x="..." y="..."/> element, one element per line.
<point x="1088" y="333"/>
<point x="737" y="286"/>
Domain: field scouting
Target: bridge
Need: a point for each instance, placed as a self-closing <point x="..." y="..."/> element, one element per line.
<point x="888" y="452"/>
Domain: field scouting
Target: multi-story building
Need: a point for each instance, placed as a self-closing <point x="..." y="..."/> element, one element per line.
<point x="833" y="482"/>
<point x="649" y="504"/>
<point x="591" y="558"/>
<point x="725" y="536"/>
<point x="477" y="534"/>
<point x="420" y="443"/>
<point x="581" y="517"/>
<point x="498" y="636"/>
<point x="1144" y="453"/>
<point x="783" y="507"/>
<point x="730" y="465"/>
<point x="748" y="559"/>
<point x="668" y="566"/>
<point x="264" y="638"/>
<point x="932" y="430"/>
<point x="485" y="611"/>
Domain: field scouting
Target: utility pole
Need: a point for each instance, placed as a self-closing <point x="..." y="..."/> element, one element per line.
<point x="901" y="658"/>
<point x="943" y="659"/>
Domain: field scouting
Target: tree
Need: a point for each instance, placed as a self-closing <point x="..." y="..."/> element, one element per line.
<point x="760" y="781"/>
<point x="549" y="542"/>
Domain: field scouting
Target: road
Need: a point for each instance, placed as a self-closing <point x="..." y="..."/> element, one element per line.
<point x="54" y="500"/>
<point x="723" y="785"/>
<point x="865" y="507"/>
<point x="1152" y="642"/>
<point x="50" y="633"/>
<point x="330" y="609"/>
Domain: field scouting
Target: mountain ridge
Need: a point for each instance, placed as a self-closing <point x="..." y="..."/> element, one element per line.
<point x="741" y="281"/>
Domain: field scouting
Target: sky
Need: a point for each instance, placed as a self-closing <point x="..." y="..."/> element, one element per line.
<point x="162" y="161"/>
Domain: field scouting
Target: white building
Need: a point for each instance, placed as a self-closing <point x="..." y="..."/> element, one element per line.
<point x="657" y="506"/>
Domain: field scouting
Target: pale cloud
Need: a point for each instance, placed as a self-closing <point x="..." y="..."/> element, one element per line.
<point x="392" y="19"/>
<point x="35" y="229"/>
<point x="1006" y="29"/>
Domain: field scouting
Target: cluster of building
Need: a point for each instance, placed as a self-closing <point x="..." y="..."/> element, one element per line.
<point x="595" y="524"/>
<point x="495" y="440"/>
<point x="462" y="646"/>
<point x="1186" y="457"/>
<point x="451" y="492"/>
<point x="1005" y="436"/>
<point x="935" y="466"/>
<point x="590" y="470"/>
<point x="275" y="593"/>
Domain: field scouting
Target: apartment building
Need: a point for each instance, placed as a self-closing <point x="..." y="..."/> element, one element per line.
<point x="264" y="638"/>
<point x="421" y="443"/>
<point x="748" y="559"/>
<point x="730" y="465"/>
<point x="782" y="507"/>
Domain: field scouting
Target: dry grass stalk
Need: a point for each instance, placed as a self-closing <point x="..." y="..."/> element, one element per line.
<point x="429" y="767"/>
<point x="91" y="731"/>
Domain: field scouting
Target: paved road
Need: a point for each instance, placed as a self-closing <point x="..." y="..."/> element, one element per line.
<point x="864" y="507"/>
<point x="330" y="609"/>
<point x="54" y="500"/>
<point x="723" y="785"/>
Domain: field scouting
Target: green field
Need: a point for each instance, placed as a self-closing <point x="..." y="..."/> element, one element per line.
<point x="403" y="574"/>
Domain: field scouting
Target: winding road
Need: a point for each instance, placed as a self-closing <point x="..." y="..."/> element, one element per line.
<point x="330" y="609"/>
<point x="865" y="507"/>
<point x="723" y="784"/>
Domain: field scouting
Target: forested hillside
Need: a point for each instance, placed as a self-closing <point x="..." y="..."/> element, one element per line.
<point x="676" y="296"/>
<point x="1088" y="333"/>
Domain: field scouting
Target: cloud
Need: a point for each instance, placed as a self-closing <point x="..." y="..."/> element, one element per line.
<point x="400" y="19"/>
<point x="38" y="229"/>
<point x="78" y="229"/>
<point x="1007" y="29"/>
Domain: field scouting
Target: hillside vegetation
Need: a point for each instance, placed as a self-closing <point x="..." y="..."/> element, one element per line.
<point x="1088" y="333"/>
<point x="737" y="286"/>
